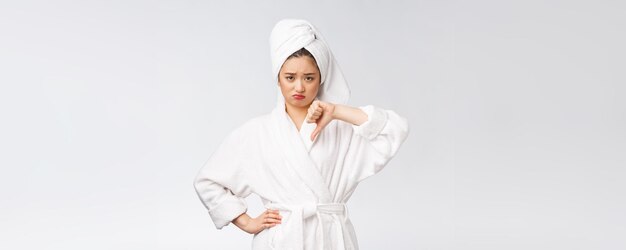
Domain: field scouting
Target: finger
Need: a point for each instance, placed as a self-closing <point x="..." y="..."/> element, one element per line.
<point x="320" y="105"/>
<point x="314" y="134"/>
<point x="269" y="224"/>
<point x="275" y="216"/>
<point x="271" y="220"/>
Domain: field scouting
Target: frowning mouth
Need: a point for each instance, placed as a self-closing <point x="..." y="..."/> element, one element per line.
<point x="298" y="97"/>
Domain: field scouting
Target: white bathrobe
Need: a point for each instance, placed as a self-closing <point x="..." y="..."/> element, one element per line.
<point x="309" y="182"/>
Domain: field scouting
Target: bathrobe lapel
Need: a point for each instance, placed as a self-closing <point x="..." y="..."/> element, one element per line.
<point x="297" y="154"/>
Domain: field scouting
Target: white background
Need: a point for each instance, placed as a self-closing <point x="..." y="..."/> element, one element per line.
<point x="517" y="114"/>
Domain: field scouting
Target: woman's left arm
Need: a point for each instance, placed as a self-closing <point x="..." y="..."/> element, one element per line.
<point x="384" y="129"/>
<point x="323" y="112"/>
<point x="378" y="133"/>
<point x="349" y="114"/>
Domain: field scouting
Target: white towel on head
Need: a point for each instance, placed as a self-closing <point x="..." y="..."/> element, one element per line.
<point x="290" y="35"/>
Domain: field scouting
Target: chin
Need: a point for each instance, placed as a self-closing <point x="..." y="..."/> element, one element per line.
<point x="301" y="104"/>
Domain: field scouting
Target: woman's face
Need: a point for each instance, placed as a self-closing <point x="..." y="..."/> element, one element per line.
<point x="299" y="80"/>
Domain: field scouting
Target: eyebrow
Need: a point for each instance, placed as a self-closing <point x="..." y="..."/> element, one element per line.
<point x="289" y="73"/>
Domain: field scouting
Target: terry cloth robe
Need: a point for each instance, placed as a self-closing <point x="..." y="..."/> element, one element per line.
<point x="309" y="182"/>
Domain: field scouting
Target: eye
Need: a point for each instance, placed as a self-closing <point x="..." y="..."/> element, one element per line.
<point x="289" y="77"/>
<point x="309" y="78"/>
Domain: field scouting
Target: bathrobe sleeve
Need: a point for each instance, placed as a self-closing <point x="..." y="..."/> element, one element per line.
<point x="223" y="181"/>
<point x="377" y="140"/>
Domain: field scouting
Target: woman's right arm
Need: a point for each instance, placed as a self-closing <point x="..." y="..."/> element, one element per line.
<point x="223" y="182"/>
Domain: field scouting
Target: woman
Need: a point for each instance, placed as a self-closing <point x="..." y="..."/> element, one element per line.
<point x="306" y="157"/>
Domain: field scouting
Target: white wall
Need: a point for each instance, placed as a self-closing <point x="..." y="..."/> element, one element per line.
<point x="517" y="112"/>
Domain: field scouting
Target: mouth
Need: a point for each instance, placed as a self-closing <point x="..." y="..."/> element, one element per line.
<point x="298" y="97"/>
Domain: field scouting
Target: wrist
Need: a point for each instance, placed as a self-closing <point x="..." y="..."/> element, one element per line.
<point x="242" y="220"/>
<point x="336" y="110"/>
<point x="349" y="114"/>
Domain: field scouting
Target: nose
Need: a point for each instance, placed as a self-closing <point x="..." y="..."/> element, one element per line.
<point x="299" y="86"/>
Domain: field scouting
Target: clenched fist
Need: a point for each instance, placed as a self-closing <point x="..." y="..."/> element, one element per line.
<point x="321" y="113"/>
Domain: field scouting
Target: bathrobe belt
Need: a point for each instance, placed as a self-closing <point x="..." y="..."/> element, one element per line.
<point x="332" y="218"/>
